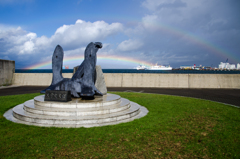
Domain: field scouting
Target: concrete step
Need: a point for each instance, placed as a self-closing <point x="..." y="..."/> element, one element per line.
<point x="107" y="110"/>
<point x="20" y="114"/>
<point x="99" y="101"/>
<point x="9" y="115"/>
<point x="36" y="109"/>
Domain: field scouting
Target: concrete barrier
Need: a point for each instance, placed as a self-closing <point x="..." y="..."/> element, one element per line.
<point x="35" y="79"/>
<point x="146" y="80"/>
<point x="7" y="68"/>
<point x="143" y="80"/>
<point x="214" y="81"/>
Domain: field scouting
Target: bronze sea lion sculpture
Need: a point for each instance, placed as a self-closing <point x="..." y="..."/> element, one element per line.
<point x="82" y="83"/>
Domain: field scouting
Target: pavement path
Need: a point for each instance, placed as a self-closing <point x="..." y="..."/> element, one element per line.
<point x="228" y="96"/>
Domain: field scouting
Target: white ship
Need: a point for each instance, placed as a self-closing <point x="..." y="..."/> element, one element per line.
<point x="160" y="67"/>
<point x="141" y="67"/>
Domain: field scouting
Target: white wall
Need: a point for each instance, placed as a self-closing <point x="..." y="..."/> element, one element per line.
<point x="143" y="80"/>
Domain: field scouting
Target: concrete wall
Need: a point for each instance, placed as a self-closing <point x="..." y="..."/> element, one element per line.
<point x="7" y="68"/>
<point x="35" y="79"/>
<point x="144" y="80"/>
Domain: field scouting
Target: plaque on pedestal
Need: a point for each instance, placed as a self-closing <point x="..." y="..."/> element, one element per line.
<point x="60" y="96"/>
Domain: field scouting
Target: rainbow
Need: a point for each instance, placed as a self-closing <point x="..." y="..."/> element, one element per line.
<point x="166" y="29"/>
<point x="196" y="40"/>
<point x="101" y="57"/>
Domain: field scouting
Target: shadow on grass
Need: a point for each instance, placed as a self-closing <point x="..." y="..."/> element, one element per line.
<point x="175" y="127"/>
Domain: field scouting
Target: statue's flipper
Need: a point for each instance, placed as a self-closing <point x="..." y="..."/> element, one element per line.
<point x="90" y="91"/>
<point x="49" y="88"/>
<point x="87" y="92"/>
<point x="78" y="74"/>
<point x="75" y="94"/>
<point x="57" y="62"/>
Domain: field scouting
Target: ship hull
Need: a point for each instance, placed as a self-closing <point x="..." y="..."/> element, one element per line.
<point x="160" y="69"/>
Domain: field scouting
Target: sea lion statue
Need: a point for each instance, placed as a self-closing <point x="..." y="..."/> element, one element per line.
<point x="82" y="83"/>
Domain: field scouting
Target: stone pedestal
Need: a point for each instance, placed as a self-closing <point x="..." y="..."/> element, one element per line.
<point x="109" y="109"/>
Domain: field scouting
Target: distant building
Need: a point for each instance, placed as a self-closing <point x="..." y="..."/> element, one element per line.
<point x="207" y="68"/>
<point x="228" y="66"/>
<point x="186" y="67"/>
<point x="232" y="67"/>
<point x="238" y="66"/>
<point x="194" y="67"/>
<point x="222" y="65"/>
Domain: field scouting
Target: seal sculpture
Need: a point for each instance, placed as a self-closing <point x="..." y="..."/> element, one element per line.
<point x="82" y="83"/>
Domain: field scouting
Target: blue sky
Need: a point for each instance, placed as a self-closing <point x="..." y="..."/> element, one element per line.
<point x="168" y="32"/>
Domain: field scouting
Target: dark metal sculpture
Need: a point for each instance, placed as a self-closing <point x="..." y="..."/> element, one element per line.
<point x="82" y="82"/>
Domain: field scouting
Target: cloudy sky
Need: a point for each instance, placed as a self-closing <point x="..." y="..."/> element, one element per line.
<point x="167" y="32"/>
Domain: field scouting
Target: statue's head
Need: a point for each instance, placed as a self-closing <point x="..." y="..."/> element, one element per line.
<point x="91" y="49"/>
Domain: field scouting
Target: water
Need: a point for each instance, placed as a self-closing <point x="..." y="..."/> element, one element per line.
<point x="136" y="71"/>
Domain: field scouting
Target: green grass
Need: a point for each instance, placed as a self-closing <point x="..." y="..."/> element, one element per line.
<point x="175" y="127"/>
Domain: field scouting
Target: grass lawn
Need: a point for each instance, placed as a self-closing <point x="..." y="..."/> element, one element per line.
<point x="175" y="127"/>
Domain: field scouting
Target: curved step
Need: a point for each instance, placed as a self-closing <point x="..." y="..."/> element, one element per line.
<point x="101" y="101"/>
<point x="107" y="110"/>
<point x="35" y="109"/>
<point x="19" y="113"/>
<point x="143" y="112"/>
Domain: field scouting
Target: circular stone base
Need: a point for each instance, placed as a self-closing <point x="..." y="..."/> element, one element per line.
<point x="109" y="109"/>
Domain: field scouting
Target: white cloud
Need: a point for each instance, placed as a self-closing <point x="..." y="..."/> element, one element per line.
<point x="28" y="47"/>
<point x="170" y="31"/>
<point x="42" y="41"/>
<point x="130" y="45"/>
<point x="82" y="32"/>
<point x="73" y="38"/>
<point x="69" y="37"/>
<point x="155" y="5"/>
<point x="149" y="22"/>
<point x="75" y="52"/>
<point x="175" y="31"/>
<point x="17" y="40"/>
